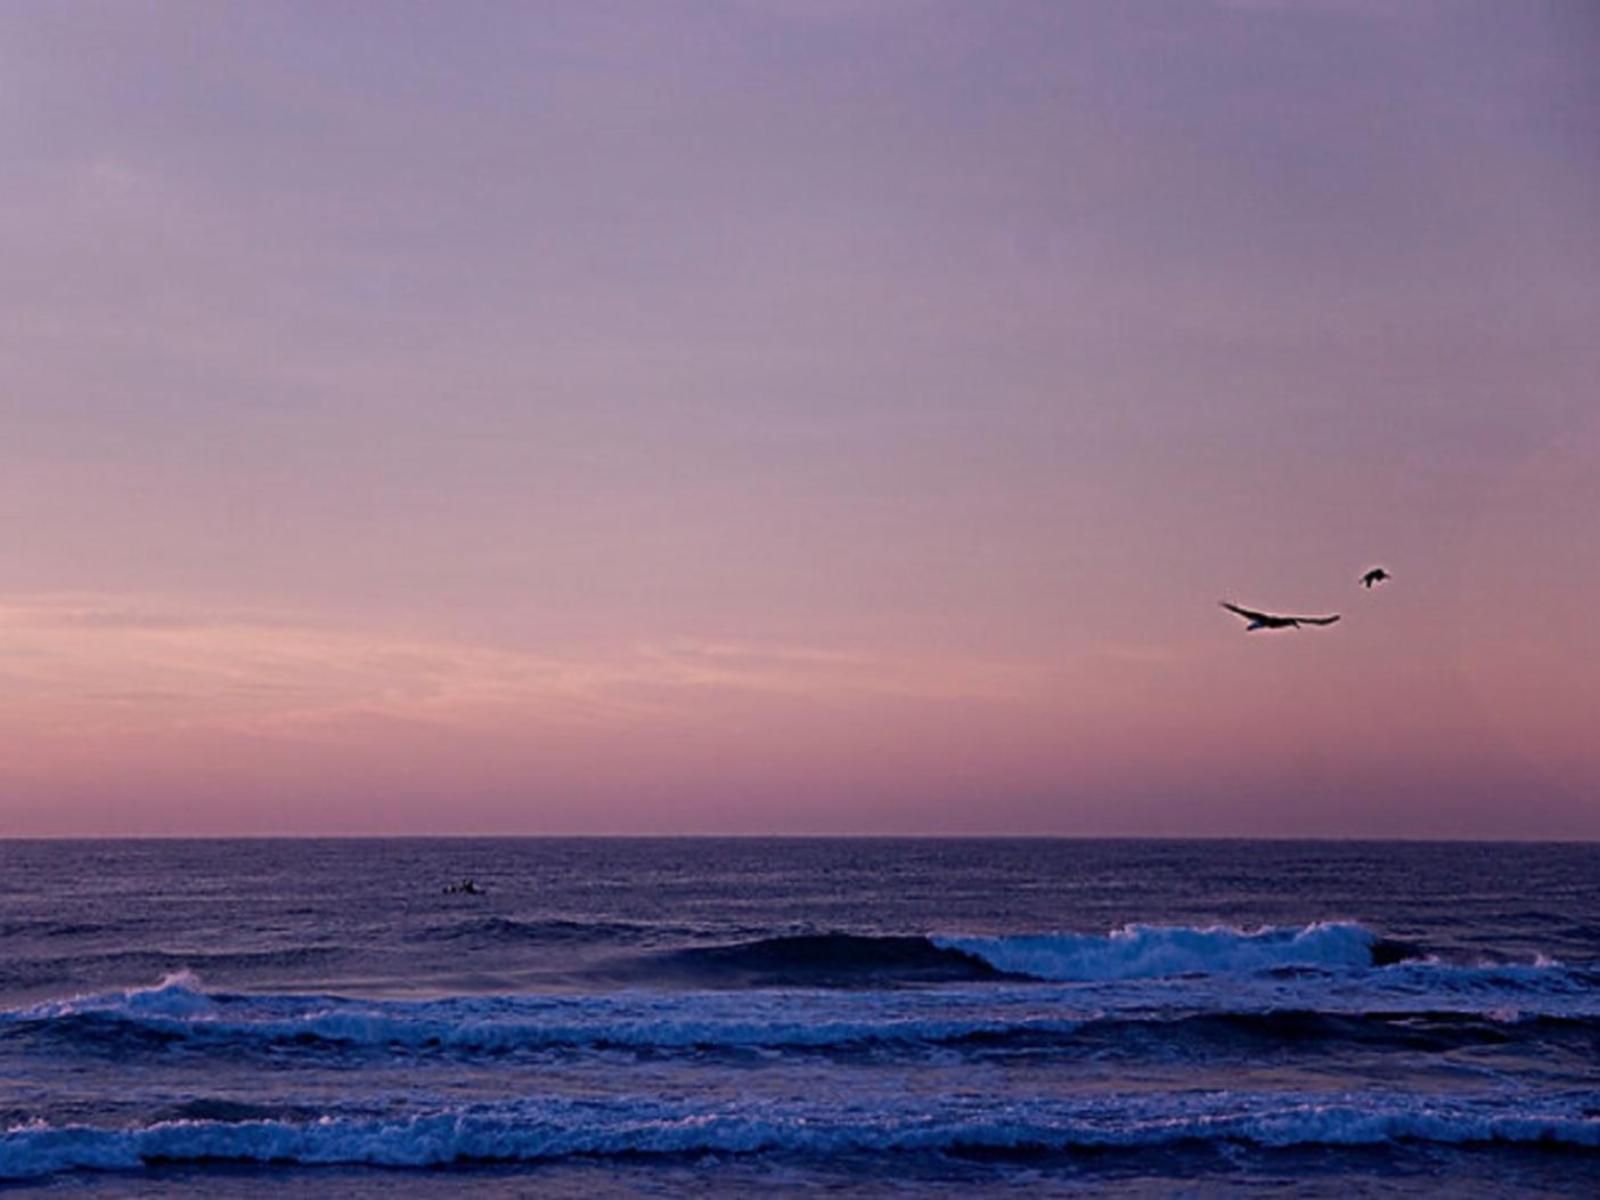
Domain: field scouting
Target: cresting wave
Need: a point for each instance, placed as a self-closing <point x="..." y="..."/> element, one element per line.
<point x="1410" y="1004"/>
<point x="332" y="1028"/>
<point x="1132" y="952"/>
<point x="826" y="959"/>
<point x="542" y="1130"/>
<point x="1156" y="951"/>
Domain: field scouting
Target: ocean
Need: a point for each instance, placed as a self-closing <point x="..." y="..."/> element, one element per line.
<point x="850" y="1017"/>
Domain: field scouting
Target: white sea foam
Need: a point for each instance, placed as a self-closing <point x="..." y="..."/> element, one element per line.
<point x="1154" y="951"/>
<point x="533" y="1130"/>
<point x="179" y="994"/>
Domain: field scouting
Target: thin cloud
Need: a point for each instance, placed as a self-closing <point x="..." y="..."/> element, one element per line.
<point x="134" y="664"/>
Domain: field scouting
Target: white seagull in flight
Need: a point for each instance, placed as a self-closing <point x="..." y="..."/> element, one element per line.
<point x="1261" y="620"/>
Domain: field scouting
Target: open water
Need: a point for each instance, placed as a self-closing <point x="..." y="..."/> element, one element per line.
<point x="687" y="1017"/>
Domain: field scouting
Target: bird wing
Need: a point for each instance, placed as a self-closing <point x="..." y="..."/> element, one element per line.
<point x="1247" y="613"/>
<point x="1318" y="620"/>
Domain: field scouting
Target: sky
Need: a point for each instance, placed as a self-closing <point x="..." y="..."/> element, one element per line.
<point x="755" y="416"/>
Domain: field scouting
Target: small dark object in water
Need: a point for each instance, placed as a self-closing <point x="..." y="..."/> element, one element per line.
<point x="465" y="888"/>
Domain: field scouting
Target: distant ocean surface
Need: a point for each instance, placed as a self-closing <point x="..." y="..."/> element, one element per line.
<point x="851" y="1017"/>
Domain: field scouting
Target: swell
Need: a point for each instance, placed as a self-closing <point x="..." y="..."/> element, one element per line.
<point x="23" y="974"/>
<point x="1163" y="951"/>
<point x="1132" y="952"/>
<point x="835" y="959"/>
<point x="544" y="1130"/>
<point x="177" y="1017"/>
<point x="1307" y="1031"/>
<point x="493" y="930"/>
<point x="822" y="960"/>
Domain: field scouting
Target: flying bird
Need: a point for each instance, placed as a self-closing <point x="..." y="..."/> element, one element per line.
<point x="1261" y="620"/>
<point x="1376" y="575"/>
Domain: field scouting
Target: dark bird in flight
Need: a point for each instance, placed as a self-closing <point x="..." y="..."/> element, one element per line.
<point x="1261" y="620"/>
<point x="1376" y="575"/>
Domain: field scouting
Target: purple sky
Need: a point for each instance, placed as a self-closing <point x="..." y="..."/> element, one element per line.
<point x="755" y="416"/>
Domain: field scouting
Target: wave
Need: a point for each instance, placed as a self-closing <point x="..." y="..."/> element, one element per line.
<point x="495" y="929"/>
<point x="177" y="1011"/>
<point x="548" y="1129"/>
<point x="607" y="954"/>
<point x="837" y="959"/>
<point x="111" y="963"/>
<point x="45" y="928"/>
<point x="1156" y="951"/>
<point x="1170" y="1021"/>
<point x="1132" y="952"/>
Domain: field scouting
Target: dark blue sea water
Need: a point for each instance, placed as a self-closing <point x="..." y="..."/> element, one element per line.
<point x="850" y="1017"/>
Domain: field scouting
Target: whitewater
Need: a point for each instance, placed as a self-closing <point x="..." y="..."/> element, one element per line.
<point x="704" y="1017"/>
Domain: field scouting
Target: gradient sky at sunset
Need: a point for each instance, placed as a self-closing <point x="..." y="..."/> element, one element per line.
<point x="766" y="416"/>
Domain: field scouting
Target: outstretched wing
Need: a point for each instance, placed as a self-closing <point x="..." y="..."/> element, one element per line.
<point x="1318" y="620"/>
<point x="1247" y="613"/>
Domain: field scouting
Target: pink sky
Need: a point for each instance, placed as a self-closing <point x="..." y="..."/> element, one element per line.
<point x="751" y="416"/>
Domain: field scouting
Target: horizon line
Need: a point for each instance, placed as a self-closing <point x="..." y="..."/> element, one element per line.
<point x="799" y="837"/>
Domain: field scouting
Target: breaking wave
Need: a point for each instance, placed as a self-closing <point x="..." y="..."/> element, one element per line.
<point x="1132" y="952"/>
<point x="1412" y="1005"/>
<point x="549" y="1129"/>
<point x="1155" y="951"/>
<point x="829" y="959"/>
